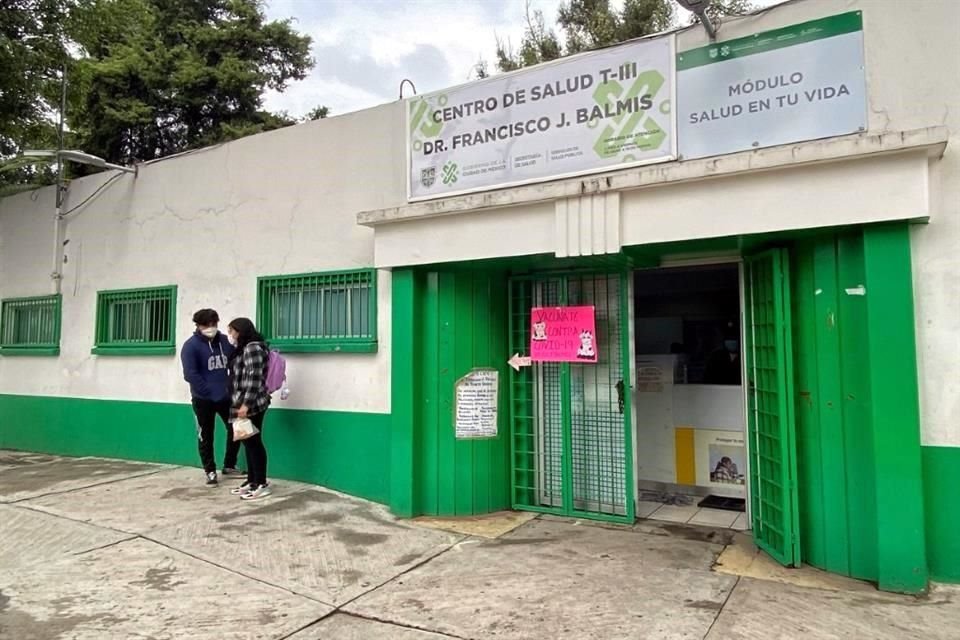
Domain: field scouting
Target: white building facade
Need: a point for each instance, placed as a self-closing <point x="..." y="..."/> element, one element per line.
<point x="383" y="305"/>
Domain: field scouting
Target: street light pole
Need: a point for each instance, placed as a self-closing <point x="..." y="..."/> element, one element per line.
<point x="57" y="273"/>
<point x="61" y="155"/>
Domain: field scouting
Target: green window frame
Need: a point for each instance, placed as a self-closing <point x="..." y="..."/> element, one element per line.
<point x="30" y="326"/>
<point x="332" y="311"/>
<point x="136" y="322"/>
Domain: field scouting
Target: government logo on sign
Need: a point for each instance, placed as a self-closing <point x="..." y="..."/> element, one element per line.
<point x="450" y="172"/>
<point x="428" y="176"/>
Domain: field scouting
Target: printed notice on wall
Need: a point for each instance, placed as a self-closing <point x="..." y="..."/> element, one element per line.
<point x="649" y="379"/>
<point x="476" y="404"/>
<point x="563" y="334"/>
<point x="721" y="461"/>
<point x="586" y="113"/>
<point x="802" y="82"/>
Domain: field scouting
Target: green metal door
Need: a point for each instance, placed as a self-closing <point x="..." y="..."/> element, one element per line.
<point x="572" y="445"/>
<point x="770" y="408"/>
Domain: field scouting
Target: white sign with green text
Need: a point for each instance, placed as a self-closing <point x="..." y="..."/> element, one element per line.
<point x="588" y="113"/>
<point x="801" y="82"/>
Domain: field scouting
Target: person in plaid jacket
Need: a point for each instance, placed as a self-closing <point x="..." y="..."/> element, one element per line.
<point x="250" y="400"/>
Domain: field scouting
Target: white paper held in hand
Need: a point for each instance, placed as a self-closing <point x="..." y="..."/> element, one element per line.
<point x="243" y="429"/>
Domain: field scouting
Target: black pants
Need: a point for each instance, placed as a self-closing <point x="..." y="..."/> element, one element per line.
<point x="256" y="453"/>
<point x="207" y="412"/>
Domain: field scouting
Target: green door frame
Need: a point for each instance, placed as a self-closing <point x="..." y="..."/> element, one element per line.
<point x="523" y="453"/>
<point x="404" y="440"/>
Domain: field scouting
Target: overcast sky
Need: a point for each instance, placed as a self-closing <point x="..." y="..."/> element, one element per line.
<point x="364" y="48"/>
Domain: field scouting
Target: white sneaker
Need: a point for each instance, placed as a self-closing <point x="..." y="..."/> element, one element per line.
<point x="212" y="479"/>
<point x="243" y="489"/>
<point x="260" y="492"/>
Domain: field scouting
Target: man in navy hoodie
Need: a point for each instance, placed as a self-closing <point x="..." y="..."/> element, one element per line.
<point x="204" y="357"/>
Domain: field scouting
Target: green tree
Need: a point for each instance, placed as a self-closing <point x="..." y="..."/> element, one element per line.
<point x="146" y="78"/>
<point x="592" y="24"/>
<point x="33" y="49"/>
<point x="317" y="113"/>
<point x="161" y="76"/>
<point x="539" y="44"/>
<point x="719" y="9"/>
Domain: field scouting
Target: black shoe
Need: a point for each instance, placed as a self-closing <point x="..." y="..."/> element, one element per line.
<point x="212" y="479"/>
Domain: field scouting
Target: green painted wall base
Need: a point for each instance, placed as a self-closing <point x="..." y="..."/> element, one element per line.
<point x="941" y="477"/>
<point x="348" y="452"/>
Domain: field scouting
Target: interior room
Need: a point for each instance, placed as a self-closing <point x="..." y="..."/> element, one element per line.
<point x="691" y="455"/>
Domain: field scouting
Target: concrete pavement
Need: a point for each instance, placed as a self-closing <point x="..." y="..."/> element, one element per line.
<point x="104" y="549"/>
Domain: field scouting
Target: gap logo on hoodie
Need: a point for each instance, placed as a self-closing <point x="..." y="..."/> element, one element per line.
<point x="205" y="362"/>
<point x="218" y="361"/>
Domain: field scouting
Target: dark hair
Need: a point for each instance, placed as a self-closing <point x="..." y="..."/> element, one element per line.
<point x="206" y="317"/>
<point x="731" y="331"/>
<point x="246" y="333"/>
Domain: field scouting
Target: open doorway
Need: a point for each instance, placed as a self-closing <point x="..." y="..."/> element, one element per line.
<point x="689" y="405"/>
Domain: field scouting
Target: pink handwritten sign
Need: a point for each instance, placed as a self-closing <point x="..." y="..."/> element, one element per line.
<point x="563" y="334"/>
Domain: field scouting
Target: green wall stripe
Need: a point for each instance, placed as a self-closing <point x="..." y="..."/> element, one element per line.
<point x="766" y="41"/>
<point x="941" y="477"/>
<point x="348" y="452"/>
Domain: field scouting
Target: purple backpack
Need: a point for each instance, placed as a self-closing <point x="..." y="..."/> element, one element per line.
<point x="276" y="371"/>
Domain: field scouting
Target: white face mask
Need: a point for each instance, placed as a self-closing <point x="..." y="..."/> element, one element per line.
<point x="210" y="332"/>
<point x="232" y="340"/>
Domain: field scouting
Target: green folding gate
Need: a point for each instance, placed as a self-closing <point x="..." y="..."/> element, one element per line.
<point x="770" y="408"/>
<point x="572" y="442"/>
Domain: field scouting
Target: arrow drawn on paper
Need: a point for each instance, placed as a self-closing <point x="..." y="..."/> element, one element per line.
<point x="518" y="361"/>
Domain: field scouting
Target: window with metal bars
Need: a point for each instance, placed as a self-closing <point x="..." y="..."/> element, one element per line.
<point x="30" y="326"/>
<point x="319" y="312"/>
<point x="136" y="322"/>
